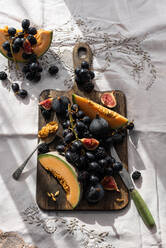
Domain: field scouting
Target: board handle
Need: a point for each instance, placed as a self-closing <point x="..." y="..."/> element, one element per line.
<point x="82" y="52"/>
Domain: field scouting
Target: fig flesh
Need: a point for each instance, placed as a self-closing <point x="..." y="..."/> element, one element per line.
<point x="46" y="104"/>
<point x="109" y="183"/>
<point x="90" y="143"/>
<point x="108" y="99"/>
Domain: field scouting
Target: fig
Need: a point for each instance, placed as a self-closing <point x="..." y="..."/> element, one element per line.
<point x="60" y="105"/>
<point x="46" y="104"/>
<point x="109" y="183"/>
<point x="94" y="193"/>
<point x="108" y="100"/>
<point x="90" y="143"/>
<point x="99" y="126"/>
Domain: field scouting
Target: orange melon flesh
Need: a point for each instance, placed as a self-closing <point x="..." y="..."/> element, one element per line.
<point x="92" y="108"/>
<point x="58" y="165"/>
<point x="43" y="37"/>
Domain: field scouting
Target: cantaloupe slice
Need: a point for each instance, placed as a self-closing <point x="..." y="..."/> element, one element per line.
<point x="43" y="37"/>
<point x="92" y="108"/>
<point x="64" y="173"/>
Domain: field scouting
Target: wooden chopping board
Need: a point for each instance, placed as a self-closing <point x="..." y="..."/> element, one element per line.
<point x="47" y="183"/>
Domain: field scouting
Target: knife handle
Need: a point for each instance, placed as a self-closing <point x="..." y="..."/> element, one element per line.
<point x="142" y="208"/>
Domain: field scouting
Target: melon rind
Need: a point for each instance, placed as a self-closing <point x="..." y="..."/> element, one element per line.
<point x="70" y="168"/>
<point x="92" y="108"/>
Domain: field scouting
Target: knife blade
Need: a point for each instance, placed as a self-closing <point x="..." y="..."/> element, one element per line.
<point x="137" y="198"/>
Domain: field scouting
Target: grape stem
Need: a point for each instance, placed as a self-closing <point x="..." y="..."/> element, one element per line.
<point x="72" y="122"/>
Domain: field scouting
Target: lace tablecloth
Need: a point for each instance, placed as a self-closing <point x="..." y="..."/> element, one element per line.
<point x="129" y="45"/>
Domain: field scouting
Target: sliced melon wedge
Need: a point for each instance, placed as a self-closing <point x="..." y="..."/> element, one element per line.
<point x="92" y="108"/>
<point x="64" y="173"/>
<point x="44" y="39"/>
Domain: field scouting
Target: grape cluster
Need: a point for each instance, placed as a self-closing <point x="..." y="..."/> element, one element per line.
<point x="92" y="165"/>
<point x="83" y="77"/>
<point x="25" y="40"/>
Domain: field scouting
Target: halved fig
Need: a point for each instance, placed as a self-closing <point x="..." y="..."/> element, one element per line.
<point x="108" y="99"/>
<point x="46" y="104"/>
<point x="90" y="143"/>
<point x="109" y="183"/>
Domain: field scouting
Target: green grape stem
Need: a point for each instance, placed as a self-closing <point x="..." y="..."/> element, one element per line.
<point x="72" y="121"/>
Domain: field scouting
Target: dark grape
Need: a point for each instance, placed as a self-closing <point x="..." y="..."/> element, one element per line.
<point x="66" y="124"/>
<point x="92" y="75"/>
<point x="37" y="77"/>
<point x="77" y="71"/>
<point x="136" y="175"/>
<point x="25" y="24"/>
<point x="3" y="75"/>
<point x="32" y="39"/>
<point x="60" y="148"/>
<point x="53" y="70"/>
<point x="22" y="93"/>
<point x="68" y="156"/>
<point x="100" y="152"/>
<point x="90" y="156"/>
<point x="110" y="160"/>
<point x="77" y="144"/>
<point x="15" y="87"/>
<point x="30" y="75"/>
<point x="86" y="120"/>
<point x="130" y="126"/>
<point x="34" y="66"/>
<point x="65" y="132"/>
<point x="11" y="31"/>
<point x="80" y="125"/>
<point x="32" y="30"/>
<point x="83" y="176"/>
<point x="6" y="46"/>
<point x="94" y="166"/>
<point x="93" y="179"/>
<point x="25" y="69"/>
<point x="109" y="171"/>
<point x="17" y="42"/>
<point x="69" y="138"/>
<point x="85" y="65"/>
<point x="84" y="75"/>
<point x="80" y="114"/>
<point x="117" y="166"/>
<point x="82" y="162"/>
<point x="103" y="162"/>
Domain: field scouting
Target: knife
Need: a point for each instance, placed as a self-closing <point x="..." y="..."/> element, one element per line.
<point x="138" y="200"/>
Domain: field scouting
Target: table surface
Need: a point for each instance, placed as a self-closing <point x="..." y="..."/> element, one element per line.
<point x="129" y="46"/>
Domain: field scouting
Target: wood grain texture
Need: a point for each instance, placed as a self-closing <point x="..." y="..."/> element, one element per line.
<point x="47" y="183"/>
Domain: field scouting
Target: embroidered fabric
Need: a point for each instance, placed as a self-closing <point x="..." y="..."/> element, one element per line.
<point x="12" y="240"/>
<point x="72" y="227"/>
<point x="108" y="47"/>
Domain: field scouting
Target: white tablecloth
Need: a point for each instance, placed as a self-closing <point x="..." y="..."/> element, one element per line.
<point x="128" y="40"/>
